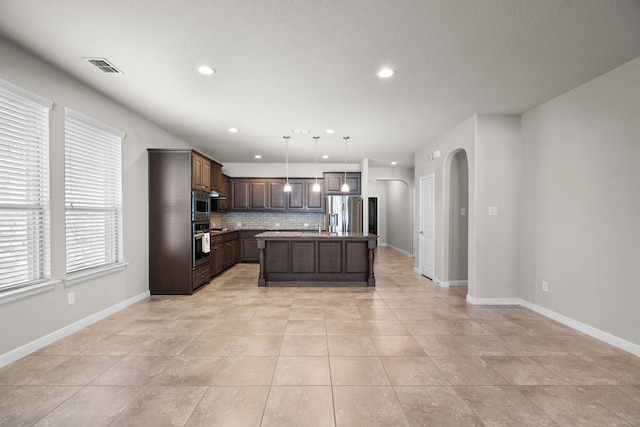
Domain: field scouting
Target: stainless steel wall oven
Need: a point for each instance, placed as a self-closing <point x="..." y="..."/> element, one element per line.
<point x="201" y="244"/>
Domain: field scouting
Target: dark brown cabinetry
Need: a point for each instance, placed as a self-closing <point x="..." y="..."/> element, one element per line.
<point x="313" y="200"/>
<point x="225" y="250"/>
<point x="201" y="170"/>
<point x="223" y="204"/>
<point x="259" y="194"/>
<point x="333" y="183"/>
<point x="171" y="241"/>
<point x="249" y="245"/>
<point x="216" y="177"/>
<point x="311" y="257"/>
<point x="255" y="194"/>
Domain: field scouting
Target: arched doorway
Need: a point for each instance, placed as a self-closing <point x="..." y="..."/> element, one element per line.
<point x="458" y="230"/>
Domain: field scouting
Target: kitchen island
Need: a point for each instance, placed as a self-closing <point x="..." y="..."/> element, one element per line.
<point x="299" y="258"/>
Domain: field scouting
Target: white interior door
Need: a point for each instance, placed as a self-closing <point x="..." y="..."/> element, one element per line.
<point x="426" y="226"/>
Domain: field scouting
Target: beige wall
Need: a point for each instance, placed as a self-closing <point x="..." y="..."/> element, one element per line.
<point x="498" y="181"/>
<point x="395" y="191"/>
<point x="580" y="203"/>
<point x="36" y="316"/>
<point x="564" y="177"/>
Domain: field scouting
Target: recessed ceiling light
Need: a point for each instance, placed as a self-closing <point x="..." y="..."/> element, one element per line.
<point x="325" y="157"/>
<point x="258" y="156"/>
<point x="233" y="130"/>
<point x="331" y="131"/>
<point x="386" y="72"/>
<point x="206" y="70"/>
<point x="394" y="163"/>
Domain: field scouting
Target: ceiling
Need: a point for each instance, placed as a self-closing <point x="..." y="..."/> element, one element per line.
<point x="309" y="64"/>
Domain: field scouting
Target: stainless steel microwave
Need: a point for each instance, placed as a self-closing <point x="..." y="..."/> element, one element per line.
<point x="200" y="206"/>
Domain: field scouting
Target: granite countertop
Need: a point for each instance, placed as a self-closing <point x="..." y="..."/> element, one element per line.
<point x="312" y="235"/>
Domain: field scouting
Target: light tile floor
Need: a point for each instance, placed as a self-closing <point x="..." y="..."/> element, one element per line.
<point x="404" y="353"/>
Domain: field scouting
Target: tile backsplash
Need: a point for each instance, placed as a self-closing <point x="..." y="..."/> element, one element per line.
<point x="267" y="220"/>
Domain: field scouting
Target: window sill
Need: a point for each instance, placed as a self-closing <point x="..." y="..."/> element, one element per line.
<point x="27" y="291"/>
<point x="83" y="276"/>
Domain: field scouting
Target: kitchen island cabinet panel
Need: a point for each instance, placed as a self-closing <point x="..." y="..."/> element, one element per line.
<point x="358" y="256"/>
<point x="305" y="261"/>
<point x="330" y="257"/>
<point x="306" y="258"/>
<point x="278" y="260"/>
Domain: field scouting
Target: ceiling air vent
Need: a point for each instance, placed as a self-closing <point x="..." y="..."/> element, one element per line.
<point x="103" y="65"/>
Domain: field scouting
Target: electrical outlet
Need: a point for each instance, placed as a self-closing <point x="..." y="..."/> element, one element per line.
<point x="545" y="286"/>
<point x="238" y="224"/>
<point x="71" y="298"/>
<point x="306" y="225"/>
<point x="277" y="224"/>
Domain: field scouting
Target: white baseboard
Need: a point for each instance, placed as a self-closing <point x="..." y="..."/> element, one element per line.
<point x="41" y="342"/>
<point x="455" y="283"/>
<point x="584" y="328"/>
<point x="567" y="321"/>
<point x="493" y="301"/>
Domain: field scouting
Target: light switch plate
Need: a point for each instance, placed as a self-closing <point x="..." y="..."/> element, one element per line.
<point x="493" y="210"/>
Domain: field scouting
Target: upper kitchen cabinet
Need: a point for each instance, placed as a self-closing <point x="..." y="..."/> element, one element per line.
<point x="333" y="183"/>
<point x="253" y="194"/>
<point x="267" y="194"/>
<point x="216" y="177"/>
<point x="302" y="198"/>
<point x="201" y="173"/>
<point x="240" y="194"/>
<point x="296" y="198"/>
<point x="222" y="204"/>
<point x="314" y="199"/>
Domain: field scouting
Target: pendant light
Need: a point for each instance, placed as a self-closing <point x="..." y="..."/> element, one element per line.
<point x="287" y="186"/>
<point x="316" y="186"/>
<point x="345" y="186"/>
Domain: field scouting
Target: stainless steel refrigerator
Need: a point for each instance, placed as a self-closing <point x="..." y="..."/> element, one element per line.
<point x="343" y="214"/>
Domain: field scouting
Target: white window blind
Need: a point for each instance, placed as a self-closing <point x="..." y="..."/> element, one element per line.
<point x="24" y="188"/>
<point x="93" y="193"/>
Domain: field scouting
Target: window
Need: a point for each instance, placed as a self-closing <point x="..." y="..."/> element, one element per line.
<point x="24" y="188"/>
<point x="93" y="194"/>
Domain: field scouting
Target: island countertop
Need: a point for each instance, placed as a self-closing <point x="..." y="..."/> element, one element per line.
<point x="313" y="235"/>
<point x="301" y="258"/>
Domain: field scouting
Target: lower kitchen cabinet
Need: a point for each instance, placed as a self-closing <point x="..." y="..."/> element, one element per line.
<point x="224" y="252"/>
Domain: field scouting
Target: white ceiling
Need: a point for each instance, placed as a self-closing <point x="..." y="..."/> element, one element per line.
<point x="312" y="64"/>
